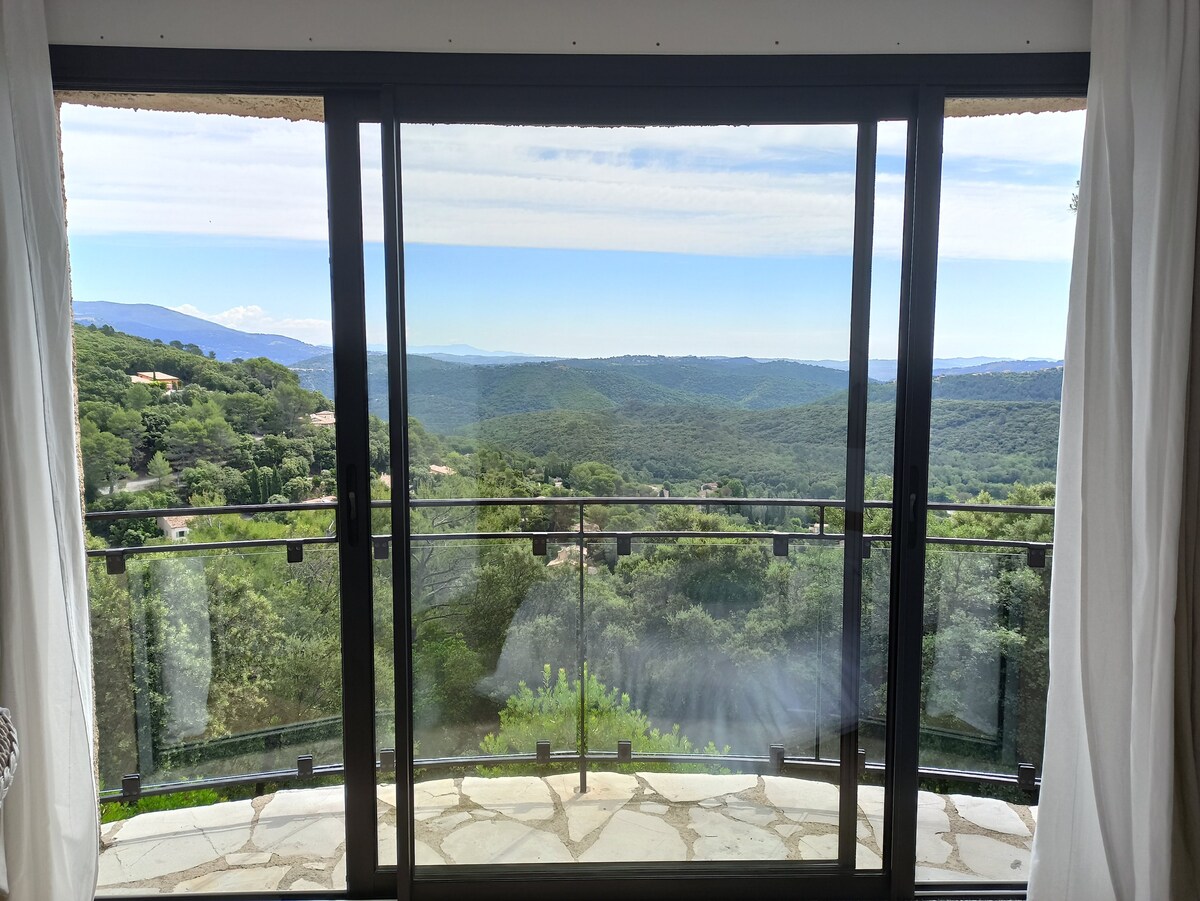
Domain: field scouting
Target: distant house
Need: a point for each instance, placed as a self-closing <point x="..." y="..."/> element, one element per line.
<point x="323" y="418"/>
<point x="441" y="470"/>
<point x="162" y="379"/>
<point x="175" y="527"/>
<point x="324" y="499"/>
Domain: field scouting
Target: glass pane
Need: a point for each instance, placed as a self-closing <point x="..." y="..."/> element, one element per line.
<point x="1001" y="320"/>
<point x="200" y="271"/>
<point x="596" y="315"/>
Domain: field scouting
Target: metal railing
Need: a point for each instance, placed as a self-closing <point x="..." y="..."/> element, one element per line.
<point x="773" y="762"/>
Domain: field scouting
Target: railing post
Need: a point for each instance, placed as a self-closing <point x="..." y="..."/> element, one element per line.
<point x="582" y="651"/>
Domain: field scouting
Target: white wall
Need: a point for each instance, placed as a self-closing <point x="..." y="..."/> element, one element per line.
<point x="581" y="26"/>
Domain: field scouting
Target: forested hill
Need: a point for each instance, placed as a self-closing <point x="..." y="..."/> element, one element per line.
<point x="447" y="397"/>
<point x="238" y="431"/>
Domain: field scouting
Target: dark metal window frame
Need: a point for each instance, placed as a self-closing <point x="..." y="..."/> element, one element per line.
<point x="389" y="88"/>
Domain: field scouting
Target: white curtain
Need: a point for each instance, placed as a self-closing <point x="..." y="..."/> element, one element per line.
<point x="1108" y="783"/>
<point x="50" y="832"/>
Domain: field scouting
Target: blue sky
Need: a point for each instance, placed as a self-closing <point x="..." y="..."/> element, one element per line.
<point x="578" y="242"/>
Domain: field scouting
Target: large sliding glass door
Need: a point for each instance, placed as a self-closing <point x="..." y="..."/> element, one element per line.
<point x="610" y="543"/>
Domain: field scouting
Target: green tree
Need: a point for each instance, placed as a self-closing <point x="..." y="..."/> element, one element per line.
<point x="159" y="468"/>
<point x="552" y="713"/>
<point x="596" y="479"/>
<point x="105" y="458"/>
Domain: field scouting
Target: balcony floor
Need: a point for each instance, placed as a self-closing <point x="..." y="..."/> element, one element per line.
<point x="295" y="839"/>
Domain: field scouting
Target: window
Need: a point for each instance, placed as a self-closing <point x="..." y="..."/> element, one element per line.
<point x="630" y="413"/>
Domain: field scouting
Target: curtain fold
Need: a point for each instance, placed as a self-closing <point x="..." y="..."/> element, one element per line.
<point x="50" y="832"/>
<point x="1109" y="782"/>
<point x="1185" y="860"/>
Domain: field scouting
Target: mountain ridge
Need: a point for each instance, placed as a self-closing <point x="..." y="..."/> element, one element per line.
<point x="150" y="321"/>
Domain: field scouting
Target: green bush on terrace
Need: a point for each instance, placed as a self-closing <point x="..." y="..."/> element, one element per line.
<point x="552" y="714"/>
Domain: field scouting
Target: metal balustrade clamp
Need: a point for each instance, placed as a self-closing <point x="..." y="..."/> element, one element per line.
<point x="387" y="760"/>
<point x="131" y="787"/>
<point x="1027" y="776"/>
<point x="776" y="757"/>
<point x="114" y="563"/>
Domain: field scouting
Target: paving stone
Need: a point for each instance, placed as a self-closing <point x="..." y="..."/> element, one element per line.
<point x="607" y="793"/>
<point x="653" y="808"/>
<point x="525" y="798"/>
<point x="818" y="847"/>
<point x="1033" y="813"/>
<point x="932" y="819"/>
<point x="248" y="859"/>
<point x="301" y="837"/>
<point x="424" y="855"/>
<point x="171" y="841"/>
<point x="631" y="836"/>
<point x="295" y="825"/>
<point x="990" y="814"/>
<point x="263" y="879"/>
<point x="934" y="874"/>
<point x="724" y="839"/>
<point x="483" y="814"/>
<point x="749" y="812"/>
<point x="387" y="845"/>
<point x="338" y="877"/>
<point x="386" y="794"/>
<point x="504" y="841"/>
<point x="993" y="859"/>
<point x="431" y="798"/>
<point x="932" y="848"/>
<point x="866" y="859"/>
<point x="308" y="802"/>
<point x="449" y="821"/>
<point x="123" y="892"/>
<point x="689" y="787"/>
<point x="803" y="800"/>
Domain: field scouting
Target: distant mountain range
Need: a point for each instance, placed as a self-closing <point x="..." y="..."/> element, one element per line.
<point x="146" y="320"/>
<point x="885" y="370"/>
<point x="155" y="322"/>
<point x="448" y="396"/>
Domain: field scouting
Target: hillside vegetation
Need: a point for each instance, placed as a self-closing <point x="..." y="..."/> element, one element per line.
<point x="704" y="642"/>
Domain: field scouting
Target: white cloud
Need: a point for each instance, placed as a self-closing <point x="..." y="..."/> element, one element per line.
<point x="726" y="190"/>
<point x="255" y="319"/>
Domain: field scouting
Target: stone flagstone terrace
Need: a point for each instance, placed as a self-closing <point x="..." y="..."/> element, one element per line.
<point x="294" y="840"/>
